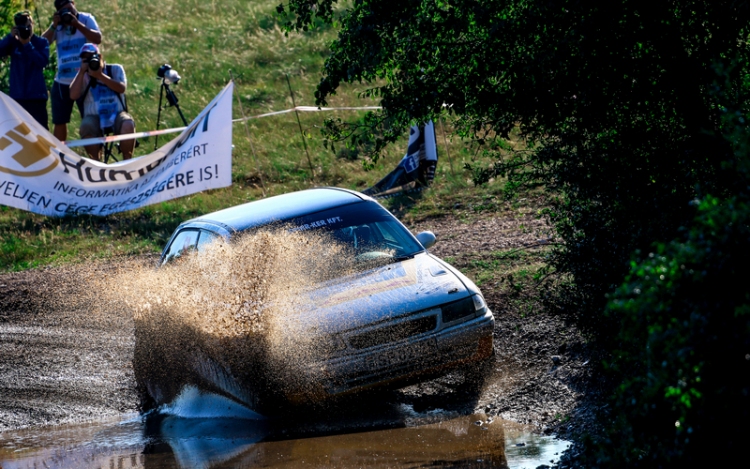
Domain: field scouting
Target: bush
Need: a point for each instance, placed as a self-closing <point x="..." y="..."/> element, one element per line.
<point x="682" y="352"/>
<point x="683" y="347"/>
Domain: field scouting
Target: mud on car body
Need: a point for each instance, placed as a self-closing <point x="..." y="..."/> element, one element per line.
<point x="409" y="318"/>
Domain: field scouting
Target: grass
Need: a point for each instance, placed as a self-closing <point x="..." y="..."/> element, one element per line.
<point x="204" y="41"/>
<point x="517" y="265"/>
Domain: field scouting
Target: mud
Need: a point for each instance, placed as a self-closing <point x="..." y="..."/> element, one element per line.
<point x="61" y="363"/>
<point x="250" y="345"/>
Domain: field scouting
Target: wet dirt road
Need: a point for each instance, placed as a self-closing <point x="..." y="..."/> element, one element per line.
<point x="61" y="360"/>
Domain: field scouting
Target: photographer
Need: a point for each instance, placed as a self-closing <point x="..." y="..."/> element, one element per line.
<point x="102" y="88"/>
<point x="71" y="29"/>
<point x="29" y="54"/>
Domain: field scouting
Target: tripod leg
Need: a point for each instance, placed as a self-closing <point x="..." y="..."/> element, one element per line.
<point x="108" y="154"/>
<point x="158" y="114"/>
<point x="173" y="101"/>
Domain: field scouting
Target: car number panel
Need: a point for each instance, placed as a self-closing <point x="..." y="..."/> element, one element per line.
<point x="411" y="353"/>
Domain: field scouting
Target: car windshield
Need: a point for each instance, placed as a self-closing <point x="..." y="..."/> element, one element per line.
<point x="366" y="227"/>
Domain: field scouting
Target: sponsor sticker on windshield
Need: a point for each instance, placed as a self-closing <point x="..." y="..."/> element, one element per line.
<point x="317" y="224"/>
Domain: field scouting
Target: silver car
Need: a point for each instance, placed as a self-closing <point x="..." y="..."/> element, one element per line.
<point x="407" y="318"/>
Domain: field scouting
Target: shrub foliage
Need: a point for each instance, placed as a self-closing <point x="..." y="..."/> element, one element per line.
<point x="624" y="110"/>
<point x="682" y="354"/>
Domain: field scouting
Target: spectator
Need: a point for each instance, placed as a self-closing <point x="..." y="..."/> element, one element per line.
<point x="29" y="54"/>
<point x="102" y="88"/>
<point x="71" y="29"/>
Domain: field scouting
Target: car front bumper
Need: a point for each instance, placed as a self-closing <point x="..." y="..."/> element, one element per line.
<point x="396" y="364"/>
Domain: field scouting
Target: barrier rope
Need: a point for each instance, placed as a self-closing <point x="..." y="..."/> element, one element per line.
<point x="151" y="133"/>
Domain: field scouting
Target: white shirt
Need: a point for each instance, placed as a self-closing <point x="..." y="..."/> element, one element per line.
<point x="69" y="42"/>
<point x="101" y="100"/>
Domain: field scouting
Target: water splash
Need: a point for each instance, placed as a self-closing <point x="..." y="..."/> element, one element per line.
<point x="234" y="319"/>
<point x="192" y="403"/>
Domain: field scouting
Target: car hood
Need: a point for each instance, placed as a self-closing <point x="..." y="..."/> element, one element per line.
<point x="385" y="292"/>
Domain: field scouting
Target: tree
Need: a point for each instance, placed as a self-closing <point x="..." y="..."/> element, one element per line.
<point x="623" y="105"/>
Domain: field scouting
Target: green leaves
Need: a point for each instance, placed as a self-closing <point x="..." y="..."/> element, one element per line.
<point x="632" y="112"/>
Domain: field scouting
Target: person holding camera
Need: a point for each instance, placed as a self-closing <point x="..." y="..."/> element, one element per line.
<point x="102" y="87"/>
<point x="29" y="54"/>
<point x="70" y="29"/>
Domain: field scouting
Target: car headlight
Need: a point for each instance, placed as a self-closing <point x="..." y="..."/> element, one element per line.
<point x="480" y="306"/>
<point x="457" y="310"/>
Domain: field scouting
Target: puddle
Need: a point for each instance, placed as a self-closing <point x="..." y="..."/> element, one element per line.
<point x="174" y="442"/>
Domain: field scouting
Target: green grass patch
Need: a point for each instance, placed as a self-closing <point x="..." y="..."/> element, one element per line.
<point x="516" y="268"/>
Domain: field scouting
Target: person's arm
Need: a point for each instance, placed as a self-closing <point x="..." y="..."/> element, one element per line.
<point x="38" y="52"/>
<point x="91" y="34"/>
<point x="6" y="45"/>
<point x="78" y="85"/>
<point x="113" y="84"/>
<point x="49" y="33"/>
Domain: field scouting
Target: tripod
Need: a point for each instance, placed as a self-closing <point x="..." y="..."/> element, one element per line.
<point x="172" y="100"/>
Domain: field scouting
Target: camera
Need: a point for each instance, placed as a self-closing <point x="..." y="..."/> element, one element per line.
<point x="24" y="32"/>
<point x="66" y="16"/>
<point x="169" y="75"/>
<point x="95" y="62"/>
<point x="163" y="70"/>
<point x="22" y="26"/>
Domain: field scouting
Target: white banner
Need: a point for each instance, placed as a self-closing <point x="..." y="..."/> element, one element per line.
<point x="40" y="174"/>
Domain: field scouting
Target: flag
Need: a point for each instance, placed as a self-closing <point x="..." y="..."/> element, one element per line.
<point x="416" y="169"/>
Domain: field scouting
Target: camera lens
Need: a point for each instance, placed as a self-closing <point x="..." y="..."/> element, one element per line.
<point x="94" y="62"/>
<point x="66" y="16"/>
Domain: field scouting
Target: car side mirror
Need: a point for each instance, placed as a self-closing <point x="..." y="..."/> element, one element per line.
<point x="427" y="239"/>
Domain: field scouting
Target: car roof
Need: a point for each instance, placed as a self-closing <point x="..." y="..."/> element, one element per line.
<point x="281" y="207"/>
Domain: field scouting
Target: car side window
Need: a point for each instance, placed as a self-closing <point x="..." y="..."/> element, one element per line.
<point x="184" y="242"/>
<point x="206" y="238"/>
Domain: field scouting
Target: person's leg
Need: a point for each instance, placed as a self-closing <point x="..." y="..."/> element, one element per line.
<point x="124" y="124"/>
<point x="37" y="108"/>
<point x="62" y="106"/>
<point x="42" y="117"/>
<point x="90" y="129"/>
<point x="61" y="132"/>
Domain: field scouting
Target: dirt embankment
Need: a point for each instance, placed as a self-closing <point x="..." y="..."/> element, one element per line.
<point x="62" y="360"/>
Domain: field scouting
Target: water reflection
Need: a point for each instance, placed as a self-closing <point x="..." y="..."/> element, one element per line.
<point x="202" y="443"/>
<point x="173" y="442"/>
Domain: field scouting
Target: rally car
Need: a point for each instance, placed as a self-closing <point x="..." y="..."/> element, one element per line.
<point x="408" y="317"/>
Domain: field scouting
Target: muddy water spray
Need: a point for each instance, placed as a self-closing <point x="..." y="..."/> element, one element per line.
<point x="228" y="320"/>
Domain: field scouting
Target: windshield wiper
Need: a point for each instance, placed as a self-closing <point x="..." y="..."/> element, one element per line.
<point x="404" y="257"/>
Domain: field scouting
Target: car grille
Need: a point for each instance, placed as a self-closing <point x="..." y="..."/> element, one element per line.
<point x="393" y="333"/>
<point x="458" y="309"/>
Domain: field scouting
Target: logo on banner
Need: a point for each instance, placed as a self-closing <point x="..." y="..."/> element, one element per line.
<point x="19" y="144"/>
<point x="411" y="162"/>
